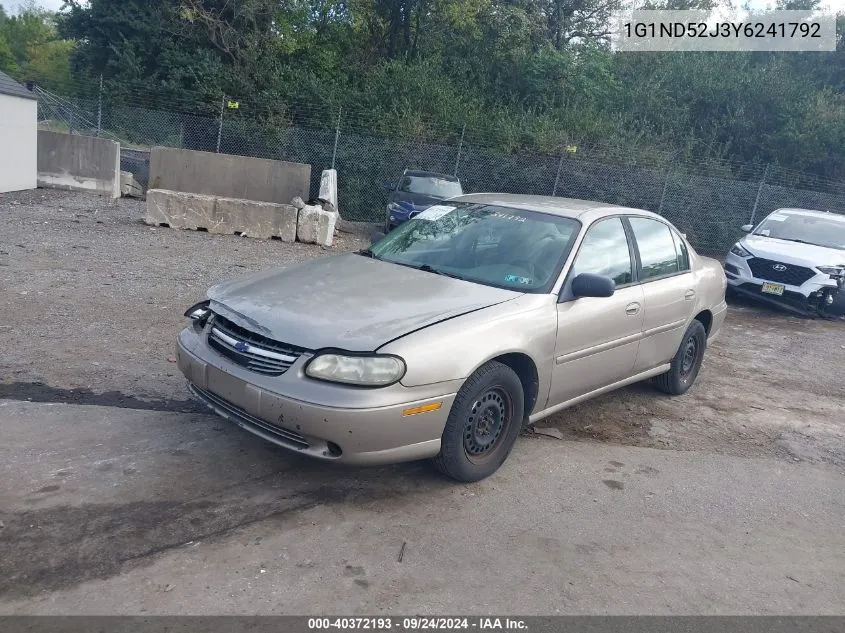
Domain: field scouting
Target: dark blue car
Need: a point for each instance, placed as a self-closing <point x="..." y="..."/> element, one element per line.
<point x="415" y="192"/>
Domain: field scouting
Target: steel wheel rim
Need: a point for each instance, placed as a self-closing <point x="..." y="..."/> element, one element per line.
<point x="690" y="357"/>
<point x="485" y="428"/>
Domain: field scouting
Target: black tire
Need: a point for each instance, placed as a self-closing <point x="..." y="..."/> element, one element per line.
<point x="687" y="362"/>
<point x="490" y="403"/>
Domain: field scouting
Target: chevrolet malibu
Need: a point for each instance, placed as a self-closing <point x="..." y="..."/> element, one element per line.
<point x="443" y="338"/>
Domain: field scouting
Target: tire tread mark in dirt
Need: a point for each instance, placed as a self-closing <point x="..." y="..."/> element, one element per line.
<point x="62" y="546"/>
<point x="40" y="392"/>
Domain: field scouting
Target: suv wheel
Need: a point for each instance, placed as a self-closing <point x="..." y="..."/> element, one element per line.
<point x="483" y="424"/>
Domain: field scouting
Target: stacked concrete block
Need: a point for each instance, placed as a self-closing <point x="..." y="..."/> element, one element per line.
<point x="316" y="225"/>
<point x="221" y="215"/>
<point x="328" y="187"/>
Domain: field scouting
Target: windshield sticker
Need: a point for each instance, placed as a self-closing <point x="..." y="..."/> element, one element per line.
<point x="515" y="279"/>
<point x="777" y="218"/>
<point x="434" y="213"/>
<point x="507" y="216"/>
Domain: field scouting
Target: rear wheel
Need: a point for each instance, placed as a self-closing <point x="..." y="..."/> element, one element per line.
<point x="483" y="424"/>
<point x="687" y="362"/>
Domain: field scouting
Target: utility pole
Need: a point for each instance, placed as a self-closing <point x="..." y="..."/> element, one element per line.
<point x="663" y="195"/>
<point x="759" y="191"/>
<point x="557" y="178"/>
<point x="460" y="148"/>
<point x="100" y="108"/>
<point x="220" y="128"/>
<point x="336" y="135"/>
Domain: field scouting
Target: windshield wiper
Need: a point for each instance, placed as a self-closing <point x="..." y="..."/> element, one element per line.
<point x="368" y="253"/>
<point x="789" y="239"/>
<point x="426" y="268"/>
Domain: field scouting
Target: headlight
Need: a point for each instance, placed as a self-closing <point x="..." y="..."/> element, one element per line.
<point x="833" y="271"/>
<point x="364" y="371"/>
<point x="199" y="312"/>
<point x="398" y="209"/>
<point x="738" y="249"/>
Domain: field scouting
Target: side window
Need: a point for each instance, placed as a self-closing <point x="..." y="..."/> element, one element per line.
<point x="604" y="251"/>
<point x="683" y="252"/>
<point x="656" y="246"/>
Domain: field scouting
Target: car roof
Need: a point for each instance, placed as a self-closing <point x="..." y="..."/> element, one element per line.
<point x="811" y="212"/>
<point x="584" y="210"/>
<point x="429" y="174"/>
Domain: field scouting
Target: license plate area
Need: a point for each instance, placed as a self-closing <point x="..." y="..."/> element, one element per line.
<point x="772" y="289"/>
<point x="226" y="386"/>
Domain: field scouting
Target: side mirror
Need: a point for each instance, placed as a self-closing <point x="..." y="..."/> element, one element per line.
<point x="590" y="285"/>
<point x="375" y="237"/>
<point x="388" y="185"/>
<point x="747" y="227"/>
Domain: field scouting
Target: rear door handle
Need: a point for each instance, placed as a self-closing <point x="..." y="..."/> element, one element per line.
<point x="632" y="308"/>
<point x="690" y="295"/>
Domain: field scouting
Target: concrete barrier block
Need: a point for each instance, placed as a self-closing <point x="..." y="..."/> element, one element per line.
<point x="181" y="210"/>
<point x="224" y="216"/>
<point x="261" y="220"/>
<point x="228" y="176"/>
<point x="316" y="226"/>
<point x="129" y="187"/>
<point x="328" y="187"/>
<point x="79" y="163"/>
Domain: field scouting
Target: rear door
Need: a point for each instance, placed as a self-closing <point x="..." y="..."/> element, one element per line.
<point x="597" y="338"/>
<point x="668" y="290"/>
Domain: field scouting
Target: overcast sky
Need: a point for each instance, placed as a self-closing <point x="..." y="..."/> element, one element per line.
<point x="12" y="5"/>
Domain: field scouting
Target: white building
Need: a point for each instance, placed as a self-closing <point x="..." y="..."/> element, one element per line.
<point x="18" y="136"/>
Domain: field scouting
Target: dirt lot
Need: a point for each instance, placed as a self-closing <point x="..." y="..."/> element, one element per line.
<point x="95" y="299"/>
<point x="118" y="494"/>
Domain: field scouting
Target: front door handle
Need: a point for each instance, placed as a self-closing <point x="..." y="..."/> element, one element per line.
<point x="690" y="295"/>
<point x="632" y="308"/>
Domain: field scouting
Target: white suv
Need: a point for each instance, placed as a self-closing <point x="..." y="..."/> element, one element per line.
<point x="794" y="258"/>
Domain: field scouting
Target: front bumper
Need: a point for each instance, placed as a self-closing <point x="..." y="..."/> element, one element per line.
<point x="808" y="298"/>
<point x="355" y="434"/>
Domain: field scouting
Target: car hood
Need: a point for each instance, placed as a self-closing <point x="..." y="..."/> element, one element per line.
<point x="347" y="301"/>
<point x="420" y="201"/>
<point x="793" y="252"/>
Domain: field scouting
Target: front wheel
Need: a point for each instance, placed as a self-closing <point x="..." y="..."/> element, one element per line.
<point x="687" y="362"/>
<point x="483" y="424"/>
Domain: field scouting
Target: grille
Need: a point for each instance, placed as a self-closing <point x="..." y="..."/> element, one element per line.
<point x="250" y="350"/>
<point x="792" y="275"/>
<point x="242" y="418"/>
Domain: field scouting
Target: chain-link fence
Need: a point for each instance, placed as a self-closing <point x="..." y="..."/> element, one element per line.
<point x="710" y="202"/>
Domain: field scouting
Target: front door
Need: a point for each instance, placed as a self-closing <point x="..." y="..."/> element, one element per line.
<point x="598" y="338"/>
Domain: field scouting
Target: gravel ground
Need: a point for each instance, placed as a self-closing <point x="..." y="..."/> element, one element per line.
<point x="95" y="300"/>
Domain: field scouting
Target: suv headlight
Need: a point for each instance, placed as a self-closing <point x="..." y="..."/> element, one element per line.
<point x="739" y="250"/>
<point x="837" y="272"/>
<point x="376" y="370"/>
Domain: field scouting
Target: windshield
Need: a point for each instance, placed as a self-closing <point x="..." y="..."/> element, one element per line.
<point x="811" y="229"/>
<point x="495" y="246"/>
<point x="430" y="186"/>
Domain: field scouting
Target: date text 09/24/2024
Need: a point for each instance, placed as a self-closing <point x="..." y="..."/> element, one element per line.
<point x="417" y="623"/>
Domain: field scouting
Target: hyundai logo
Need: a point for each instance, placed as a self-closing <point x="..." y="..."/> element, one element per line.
<point x="241" y="346"/>
<point x="779" y="267"/>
